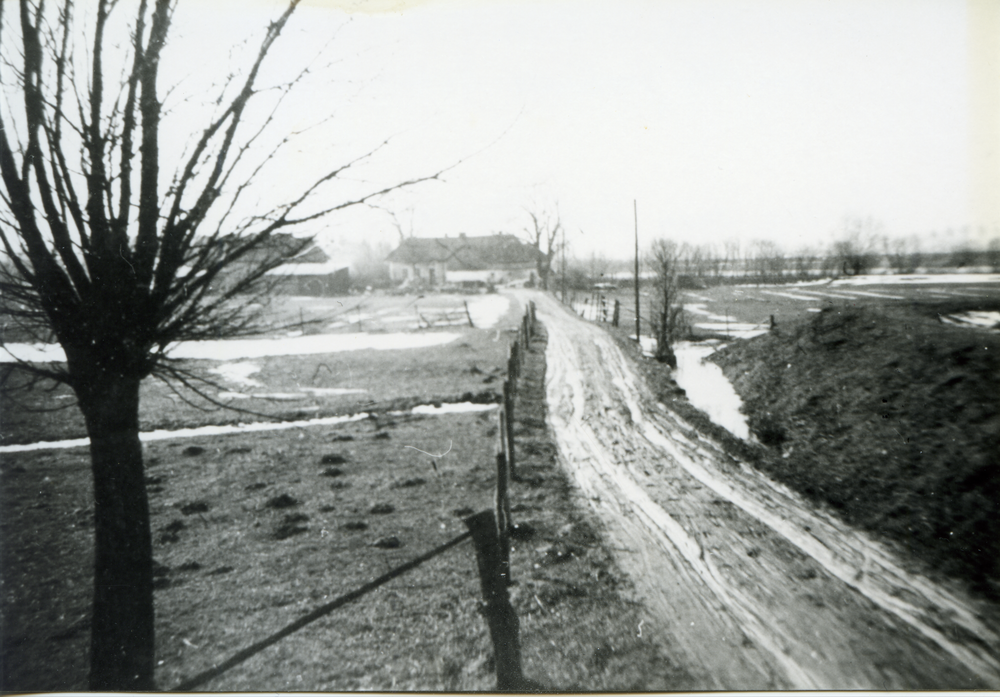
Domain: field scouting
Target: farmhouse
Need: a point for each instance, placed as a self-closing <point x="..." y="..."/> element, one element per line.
<point x="437" y="260"/>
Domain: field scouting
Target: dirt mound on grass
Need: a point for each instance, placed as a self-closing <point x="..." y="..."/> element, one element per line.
<point x="891" y="418"/>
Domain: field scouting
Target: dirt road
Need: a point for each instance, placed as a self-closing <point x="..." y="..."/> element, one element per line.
<point x="756" y="588"/>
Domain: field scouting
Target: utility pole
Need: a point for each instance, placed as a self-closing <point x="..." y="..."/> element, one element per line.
<point x="635" y="212"/>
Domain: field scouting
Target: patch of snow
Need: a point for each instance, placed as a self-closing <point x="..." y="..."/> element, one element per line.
<point x="274" y="396"/>
<point x="828" y="294"/>
<point x="791" y="296"/>
<point x="699" y="309"/>
<point x="234" y="349"/>
<point x="238" y="373"/>
<point x="486" y="310"/>
<point x="723" y="324"/>
<point x="455" y="408"/>
<point x="648" y="345"/>
<point x="333" y="390"/>
<point x="708" y="389"/>
<point x="352" y="317"/>
<point x="736" y="330"/>
<point x="201" y="431"/>
<point x="32" y="353"/>
<point x="884" y="296"/>
<point x="814" y="309"/>
<point x="909" y="279"/>
<point x="981" y="320"/>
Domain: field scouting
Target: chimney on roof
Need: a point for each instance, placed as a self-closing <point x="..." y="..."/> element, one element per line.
<point x="462" y="235"/>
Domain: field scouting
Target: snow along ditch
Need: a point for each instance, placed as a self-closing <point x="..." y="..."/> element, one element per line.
<point x="706" y="386"/>
<point x="255" y="427"/>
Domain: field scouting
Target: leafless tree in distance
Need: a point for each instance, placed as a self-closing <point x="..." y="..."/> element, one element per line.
<point x="118" y="259"/>
<point x="856" y="249"/>
<point x="667" y="321"/>
<point x="543" y="235"/>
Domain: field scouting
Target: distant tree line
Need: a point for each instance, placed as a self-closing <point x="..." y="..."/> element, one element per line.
<point x="861" y="248"/>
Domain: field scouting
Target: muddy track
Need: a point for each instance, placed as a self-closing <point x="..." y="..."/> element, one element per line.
<point x="757" y="588"/>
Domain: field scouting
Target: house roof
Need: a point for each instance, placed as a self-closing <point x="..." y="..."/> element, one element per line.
<point x="277" y="245"/>
<point x="308" y="269"/>
<point x="465" y="253"/>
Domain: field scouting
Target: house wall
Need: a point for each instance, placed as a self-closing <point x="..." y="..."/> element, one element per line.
<point x="400" y="272"/>
<point x="494" y="276"/>
<point x="337" y="283"/>
<point x="404" y="272"/>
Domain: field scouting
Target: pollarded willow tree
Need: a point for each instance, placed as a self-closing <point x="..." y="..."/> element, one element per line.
<point x="118" y="257"/>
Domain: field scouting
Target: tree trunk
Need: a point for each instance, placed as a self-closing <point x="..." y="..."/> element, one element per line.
<point x="122" y="639"/>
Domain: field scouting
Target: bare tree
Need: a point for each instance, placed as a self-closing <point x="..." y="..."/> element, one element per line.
<point x="768" y="261"/>
<point x="732" y="256"/>
<point x="665" y="258"/>
<point x="116" y="262"/>
<point x="543" y="235"/>
<point x="802" y="263"/>
<point x="855" y="251"/>
<point x="902" y="253"/>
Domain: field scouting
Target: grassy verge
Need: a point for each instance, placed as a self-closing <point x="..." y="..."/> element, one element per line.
<point x="253" y="531"/>
<point x="890" y="418"/>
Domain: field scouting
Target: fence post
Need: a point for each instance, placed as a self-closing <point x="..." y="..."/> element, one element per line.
<point x="503" y="505"/>
<point x="500" y="615"/>
<point x="508" y="426"/>
<point x="616" y="316"/>
<point x="467" y="314"/>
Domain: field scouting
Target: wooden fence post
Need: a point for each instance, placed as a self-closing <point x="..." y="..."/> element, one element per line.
<point x="467" y="314"/>
<point x="500" y="615"/>
<point x="503" y="507"/>
<point x="617" y="314"/>
<point x="508" y="426"/>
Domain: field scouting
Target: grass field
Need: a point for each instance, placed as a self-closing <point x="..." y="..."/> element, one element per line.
<point x="298" y="386"/>
<point x="744" y="311"/>
<point x="252" y="530"/>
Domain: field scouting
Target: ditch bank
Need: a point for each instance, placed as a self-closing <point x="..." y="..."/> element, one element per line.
<point x="890" y="418"/>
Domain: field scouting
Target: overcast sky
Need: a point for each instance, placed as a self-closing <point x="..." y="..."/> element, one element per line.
<point x="723" y="119"/>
